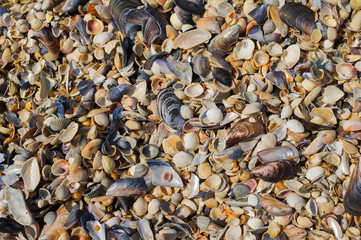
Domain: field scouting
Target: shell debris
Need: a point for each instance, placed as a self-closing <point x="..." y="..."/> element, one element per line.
<point x="180" y="119"/>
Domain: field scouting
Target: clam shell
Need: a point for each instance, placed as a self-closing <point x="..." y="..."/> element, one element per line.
<point x="191" y="38"/>
<point x="94" y="26"/>
<point x="194" y="90"/>
<point x="291" y="55"/>
<point x="244" y="49"/>
<point x="30" y="172"/>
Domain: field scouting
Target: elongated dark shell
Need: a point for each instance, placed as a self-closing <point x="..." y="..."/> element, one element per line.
<point x="71" y="6"/>
<point x="126" y="187"/>
<point x="278" y="78"/>
<point x="46" y="37"/>
<point x="298" y="16"/>
<point x="191" y="7"/>
<point x="278" y="153"/>
<point x="352" y="198"/>
<point x="244" y="130"/>
<point x="276" y="171"/>
<point x="169" y="109"/>
<point x="275" y="207"/>
<point x="10" y="226"/>
<point x="219" y="45"/>
<point x="223" y="76"/>
<point x="119" y="8"/>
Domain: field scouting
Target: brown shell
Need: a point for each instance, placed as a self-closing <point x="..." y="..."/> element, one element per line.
<point x="244" y="130"/>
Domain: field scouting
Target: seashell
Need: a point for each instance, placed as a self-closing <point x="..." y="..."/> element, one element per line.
<point x="273" y="154"/>
<point x="47" y="4"/>
<point x="101" y="39"/>
<point x="169" y="109"/>
<point x="91" y="148"/>
<point x="351" y="197"/>
<point x="276" y="171"/>
<point x="108" y="164"/>
<point x="220" y="44"/>
<point x="92" y="191"/>
<point x="314" y="173"/>
<point x="57" y="124"/>
<point x="355" y="21"/>
<point x="54" y="230"/>
<point x="214" y="115"/>
<point x="96" y="230"/>
<point x="60" y="168"/>
<point x="258" y="13"/>
<point x="191" y="141"/>
<point x="260" y="59"/>
<point x="210" y="24"/>
<point x="298" y="16"/>
<point x="201" y="65"/>
<point x="138" y="170"/>
<point x="77" y="174"/>
<point x="244" y="49"/>
<point x="46" y="37"/>
<point x="295" y="126"/>
<point x="244" y="130"/>
<point x="125" y="187"/>
<point x="140" y="206"/>
<point x="191" y="38"/>
<point x="144" y="229"/>
<point x="316" y="145"/>
<point x="182" y="159"/>
<point x="222" y="79"/>
<point x="149" y="151"/>
<point x="291" y="55"/>
<point x="30" y="172"/>
<point x="183" y="71"/>
<point x="193" y="90"/>
<point x="346" y="71"/>
<point x="49" y="217"/>
<point x="163" y="174"/>
<point x="274" y="49"/>
<point x="94" y="26"/>
<point x="17" y="206"/>
<point x="69" y="133"/>
<point x="71" y="6"/>
<point x="278" y="78"/>
<point x="274" y="206"/>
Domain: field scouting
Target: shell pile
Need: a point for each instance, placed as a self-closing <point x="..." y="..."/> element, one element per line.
<point x="180" y="119"/>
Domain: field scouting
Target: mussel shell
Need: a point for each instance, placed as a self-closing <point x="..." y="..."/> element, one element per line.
<point x="169" y="109"/>
<point x="8" y="225"/>
<point x="223" y="76"/>
<point x="219" y="45"/>
<point x="163" y="174"/>
<point x="276" y="171"/>
<point x="259" y="13"/>
<point x="298" y="16"/>
<point x="126" y="187"/>
<point x="92" y="191"/>
<point x="201" y="65"/>
<point x="278" y="153"/>
<point x="244" y="130"/>
<point x="46" y="37"/>
<point x="190" y="6"/>
<point x="352" y="198"/>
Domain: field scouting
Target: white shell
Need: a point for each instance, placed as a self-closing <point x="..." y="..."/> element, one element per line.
<point x="296" y="201"/>
<point x="215" y="115"/>
<point x="314" y="173"/>
<point x="244" y="49"/>
<point x="182" y="159"/>
<point x="291" y="55"/>
<point x="286" y="112"/>
<point x="191" y="141"/>
<point x="102" y="38"/>
<point x="295" y="126"/>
